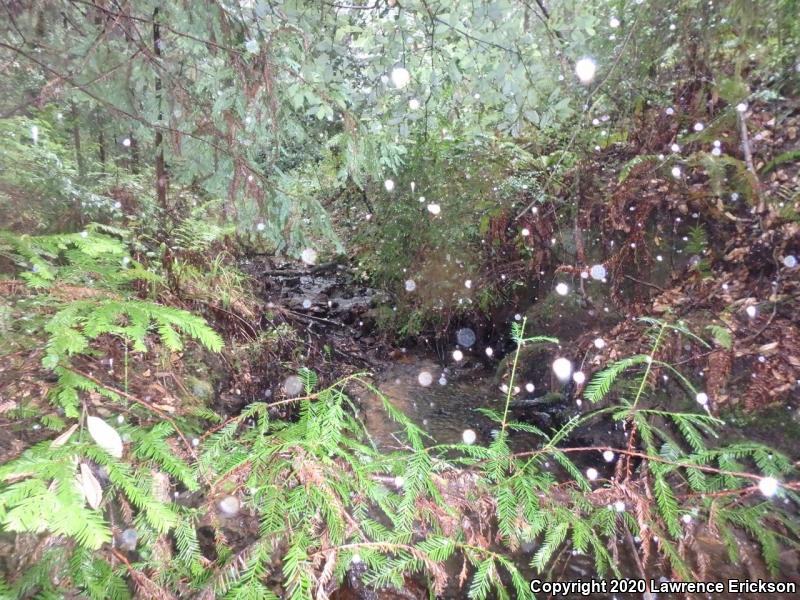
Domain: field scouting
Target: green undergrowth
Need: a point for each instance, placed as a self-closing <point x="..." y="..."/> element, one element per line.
<point x="323" y="497"/>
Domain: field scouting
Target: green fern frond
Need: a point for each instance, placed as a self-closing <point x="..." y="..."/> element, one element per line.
<point x="600" y="384"/>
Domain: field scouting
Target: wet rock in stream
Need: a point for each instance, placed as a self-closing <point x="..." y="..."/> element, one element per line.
<point x="326" y="292"/>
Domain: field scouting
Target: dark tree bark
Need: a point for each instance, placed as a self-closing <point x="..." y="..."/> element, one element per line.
<point x="161" y="170"/>
<point x="76" y="140"/>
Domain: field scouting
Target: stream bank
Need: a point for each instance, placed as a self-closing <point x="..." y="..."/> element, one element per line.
<point x="442" y="393"/>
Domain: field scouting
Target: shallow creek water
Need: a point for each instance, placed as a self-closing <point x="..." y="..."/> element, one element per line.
<point x="446" y="407"/>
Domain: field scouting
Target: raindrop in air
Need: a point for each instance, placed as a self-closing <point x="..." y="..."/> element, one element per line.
<point x="741" y="107"/>
<point x="789" y="261"/>
<point x="413" y="104"/>
<point x="229" y="506"/>
<point x="562" y="289"/>
<point x="599" y="343"/>
<point x="578" y="377"/>
<point x="562" y="367"/>
<point x="598" y="272"/>
<point x="465" y="337"/>
<point x="425" y="378"/>
<point x="389" y="185"/>
<point x="458" y="355"/>
<point x="591" y="473"/>
<point x="608" y="456"/>
<point x="292" y="386"/>
<point x="613" y="22"/>
<point x="585" y="69"/>
<point x="410" y="285"/>
<point x="676" y="172"/>
<point x="261" y="227"/>
<point x="126" y="142"/>
<point x="128" y="539"/>
<point x="768" y="486"/>
<point x="702" y="398"/>
<point x="699" y="127"/>
<point x="529" y="387"/>
<point x="469" y="436"/>
<point x="489" y="352"/>
<point x="751" y="311"/>
<point x="400" y="77"/>
<point x="434" y="208"/>
<point x="35" y="134"/>
<point x="619" y="506"/>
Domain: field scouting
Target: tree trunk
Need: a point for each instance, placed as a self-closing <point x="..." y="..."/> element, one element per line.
<point x="161" y="171"/>
<point x="76" y="140"/>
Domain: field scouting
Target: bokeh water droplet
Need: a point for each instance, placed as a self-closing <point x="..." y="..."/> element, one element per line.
<point x="768" y="486"/>
<point x="128" y="539"/>
<point x="425" y="378"/>
<point x="292" y="386"/>
<point x="400" y="77"/>
<point x="562" y="367"/>
<point x="466" y="337"/>
<point x="585" y="69"/>
<point x="229" y="506"/>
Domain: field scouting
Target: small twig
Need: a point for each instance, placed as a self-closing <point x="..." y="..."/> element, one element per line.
<point x="658" y="459"/>
<point x="647" y="283"/>
<point x="635" y="553"/>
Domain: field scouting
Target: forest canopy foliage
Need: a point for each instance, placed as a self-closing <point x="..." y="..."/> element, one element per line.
<point x="267" y="108"/>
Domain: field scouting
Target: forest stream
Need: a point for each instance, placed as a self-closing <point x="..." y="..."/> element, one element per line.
<point x="444" y="396"/>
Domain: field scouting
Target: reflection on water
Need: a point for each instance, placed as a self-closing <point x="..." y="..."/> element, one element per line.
<point x="444" y="408"/>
